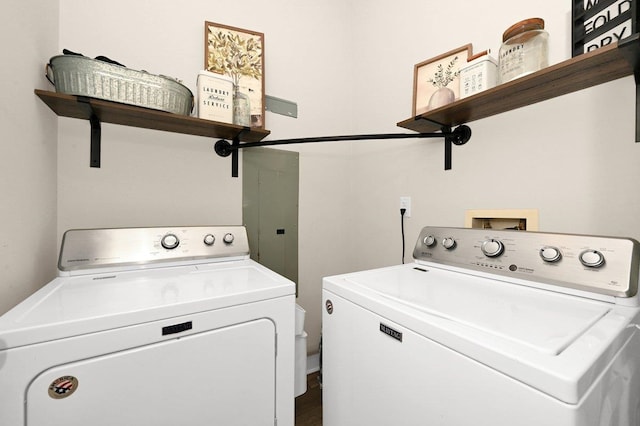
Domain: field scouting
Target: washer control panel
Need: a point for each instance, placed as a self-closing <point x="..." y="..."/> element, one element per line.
<point x="605" y="265"/>
<point x="103" y="248"/>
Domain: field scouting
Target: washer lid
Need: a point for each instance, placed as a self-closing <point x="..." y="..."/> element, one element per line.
<point x="544" y="321"/>
<point x="71" y="306"/>
<point x="556" y="343"/>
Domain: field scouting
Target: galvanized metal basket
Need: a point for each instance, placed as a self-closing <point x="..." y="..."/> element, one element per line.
<point x="83" y="76"/>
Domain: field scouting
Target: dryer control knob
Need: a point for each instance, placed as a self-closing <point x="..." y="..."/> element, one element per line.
<point x="429" y="241"/>
<point x="592" y="258"/>
<point x="228" y="238"/>
<point x="170" y="241"/>
<point x="209" y="239"/>
<point x="492" y="248"/>
<point x="449" y="243"/>
<point x="550" y="254"/>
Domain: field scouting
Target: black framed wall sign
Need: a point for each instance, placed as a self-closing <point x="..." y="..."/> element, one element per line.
<point x="597" y="23"/>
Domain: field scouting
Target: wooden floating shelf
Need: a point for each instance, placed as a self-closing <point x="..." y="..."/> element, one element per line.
<point x="128" y="115"/>
<point x="606" y="64"/>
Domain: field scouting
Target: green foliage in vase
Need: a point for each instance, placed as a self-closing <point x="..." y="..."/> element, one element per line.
<point x="443" y="76"/>
<point x="233" y="55"/>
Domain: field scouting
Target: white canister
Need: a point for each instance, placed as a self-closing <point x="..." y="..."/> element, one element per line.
<point x="215" y="97"/>
<point x="480" y="73"/>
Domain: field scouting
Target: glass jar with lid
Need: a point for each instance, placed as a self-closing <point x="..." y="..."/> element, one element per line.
<point x="524" y="49"/>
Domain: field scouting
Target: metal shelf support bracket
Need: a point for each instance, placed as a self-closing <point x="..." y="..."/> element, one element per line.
<point x="630" y="48"/>
<point x="459" y="136"/>
<point x="234" y="157"/>
<point x="96" y="133"/>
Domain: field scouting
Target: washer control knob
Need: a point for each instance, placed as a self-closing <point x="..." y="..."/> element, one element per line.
<point x="492" y="248"/>
<point x="449" y="243"/>
<point x="209" y="239"/>
<point x="592" y="258"/>
<point x="550" y="254"/>
<point x="429" y="241"/>
<point x="228" y="238"/>
<point x="170" y="241"/>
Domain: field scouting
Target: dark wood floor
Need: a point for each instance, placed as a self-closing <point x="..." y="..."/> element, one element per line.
<point x="309" y="404"/>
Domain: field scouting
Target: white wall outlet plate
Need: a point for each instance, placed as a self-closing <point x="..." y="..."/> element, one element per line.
<point x="405" y="203"/>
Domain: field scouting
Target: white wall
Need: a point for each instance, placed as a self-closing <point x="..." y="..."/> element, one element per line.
<point x="573" y="158"/>
<point x="152" y="178"/>
<point x="349" y="66"/>
<point x="29" y="31"/>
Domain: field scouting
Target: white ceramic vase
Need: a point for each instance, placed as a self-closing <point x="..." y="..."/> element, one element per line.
<point x="441" y="97"/>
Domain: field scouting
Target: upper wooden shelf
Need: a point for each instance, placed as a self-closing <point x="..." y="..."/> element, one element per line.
<point x="128" y="115"/>
<point x="590" y="69"/>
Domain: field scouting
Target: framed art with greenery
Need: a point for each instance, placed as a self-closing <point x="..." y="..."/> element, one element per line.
<point x="239" y="54"/>
<point x="436" y="80"/>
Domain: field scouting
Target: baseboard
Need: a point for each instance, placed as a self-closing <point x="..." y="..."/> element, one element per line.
<point x="313" y="363"/>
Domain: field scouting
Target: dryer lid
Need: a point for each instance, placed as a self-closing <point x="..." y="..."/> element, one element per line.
<point x="71" y="306"/>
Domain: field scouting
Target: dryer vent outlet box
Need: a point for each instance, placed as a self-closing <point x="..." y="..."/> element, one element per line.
<point x="518" y="219"/>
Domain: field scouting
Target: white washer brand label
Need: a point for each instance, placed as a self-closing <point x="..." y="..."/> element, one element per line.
<point x="391" y="332"/>
<point x="63" y="387"/>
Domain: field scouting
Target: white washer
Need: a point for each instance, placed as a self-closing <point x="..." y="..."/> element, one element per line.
<point x="152" y="326"/>
<point x="487" y="328"/>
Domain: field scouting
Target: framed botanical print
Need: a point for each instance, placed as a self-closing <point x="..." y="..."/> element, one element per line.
<point x="239" y="54"/>
<point x="436" y="80"/>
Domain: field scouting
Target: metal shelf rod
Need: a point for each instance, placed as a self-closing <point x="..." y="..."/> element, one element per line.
<point x="459" y="136"/>
<point x="339" y="138"/>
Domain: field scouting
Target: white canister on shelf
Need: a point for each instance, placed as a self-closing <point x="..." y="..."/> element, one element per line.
<point x="480" y="73"/>
<point x="215" y="97"/>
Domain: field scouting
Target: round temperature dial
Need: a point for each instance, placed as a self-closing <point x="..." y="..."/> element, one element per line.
<point x="592" y="258"/>
<point x="209" y="239"/>
<point x="550" y="254"/>
<point x="449" y="243"/>
<point x="429" y="241"/>
<point x="492" y="248"/>
<point x="170" y="241"/>
<point x="228" y="238"/>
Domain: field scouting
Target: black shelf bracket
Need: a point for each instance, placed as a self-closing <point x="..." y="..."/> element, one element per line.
<point x="224" y="149"/>
<point x="630" y="48"/>
<point x="96" y="132"/>
<point x="234" y="157"/>
<point x="458" y="136"/>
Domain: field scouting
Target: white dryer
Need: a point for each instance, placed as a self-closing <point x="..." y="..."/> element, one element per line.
<point x="152" y="326"/>
<point x="487" y="328"/>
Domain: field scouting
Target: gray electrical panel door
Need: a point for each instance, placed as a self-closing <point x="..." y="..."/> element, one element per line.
<point x="270" y="208"/>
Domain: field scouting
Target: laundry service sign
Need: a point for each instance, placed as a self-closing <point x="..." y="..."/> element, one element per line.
<point x="598" y="23"/>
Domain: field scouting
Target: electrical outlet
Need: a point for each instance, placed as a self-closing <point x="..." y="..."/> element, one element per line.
<point x="405" y="203"/>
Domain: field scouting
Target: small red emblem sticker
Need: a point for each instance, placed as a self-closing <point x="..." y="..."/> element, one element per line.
<point x="63" y="387"/>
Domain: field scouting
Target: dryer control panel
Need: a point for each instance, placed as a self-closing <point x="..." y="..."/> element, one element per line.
<point x="605" y="265"/>
<point x="88" y="249"/>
